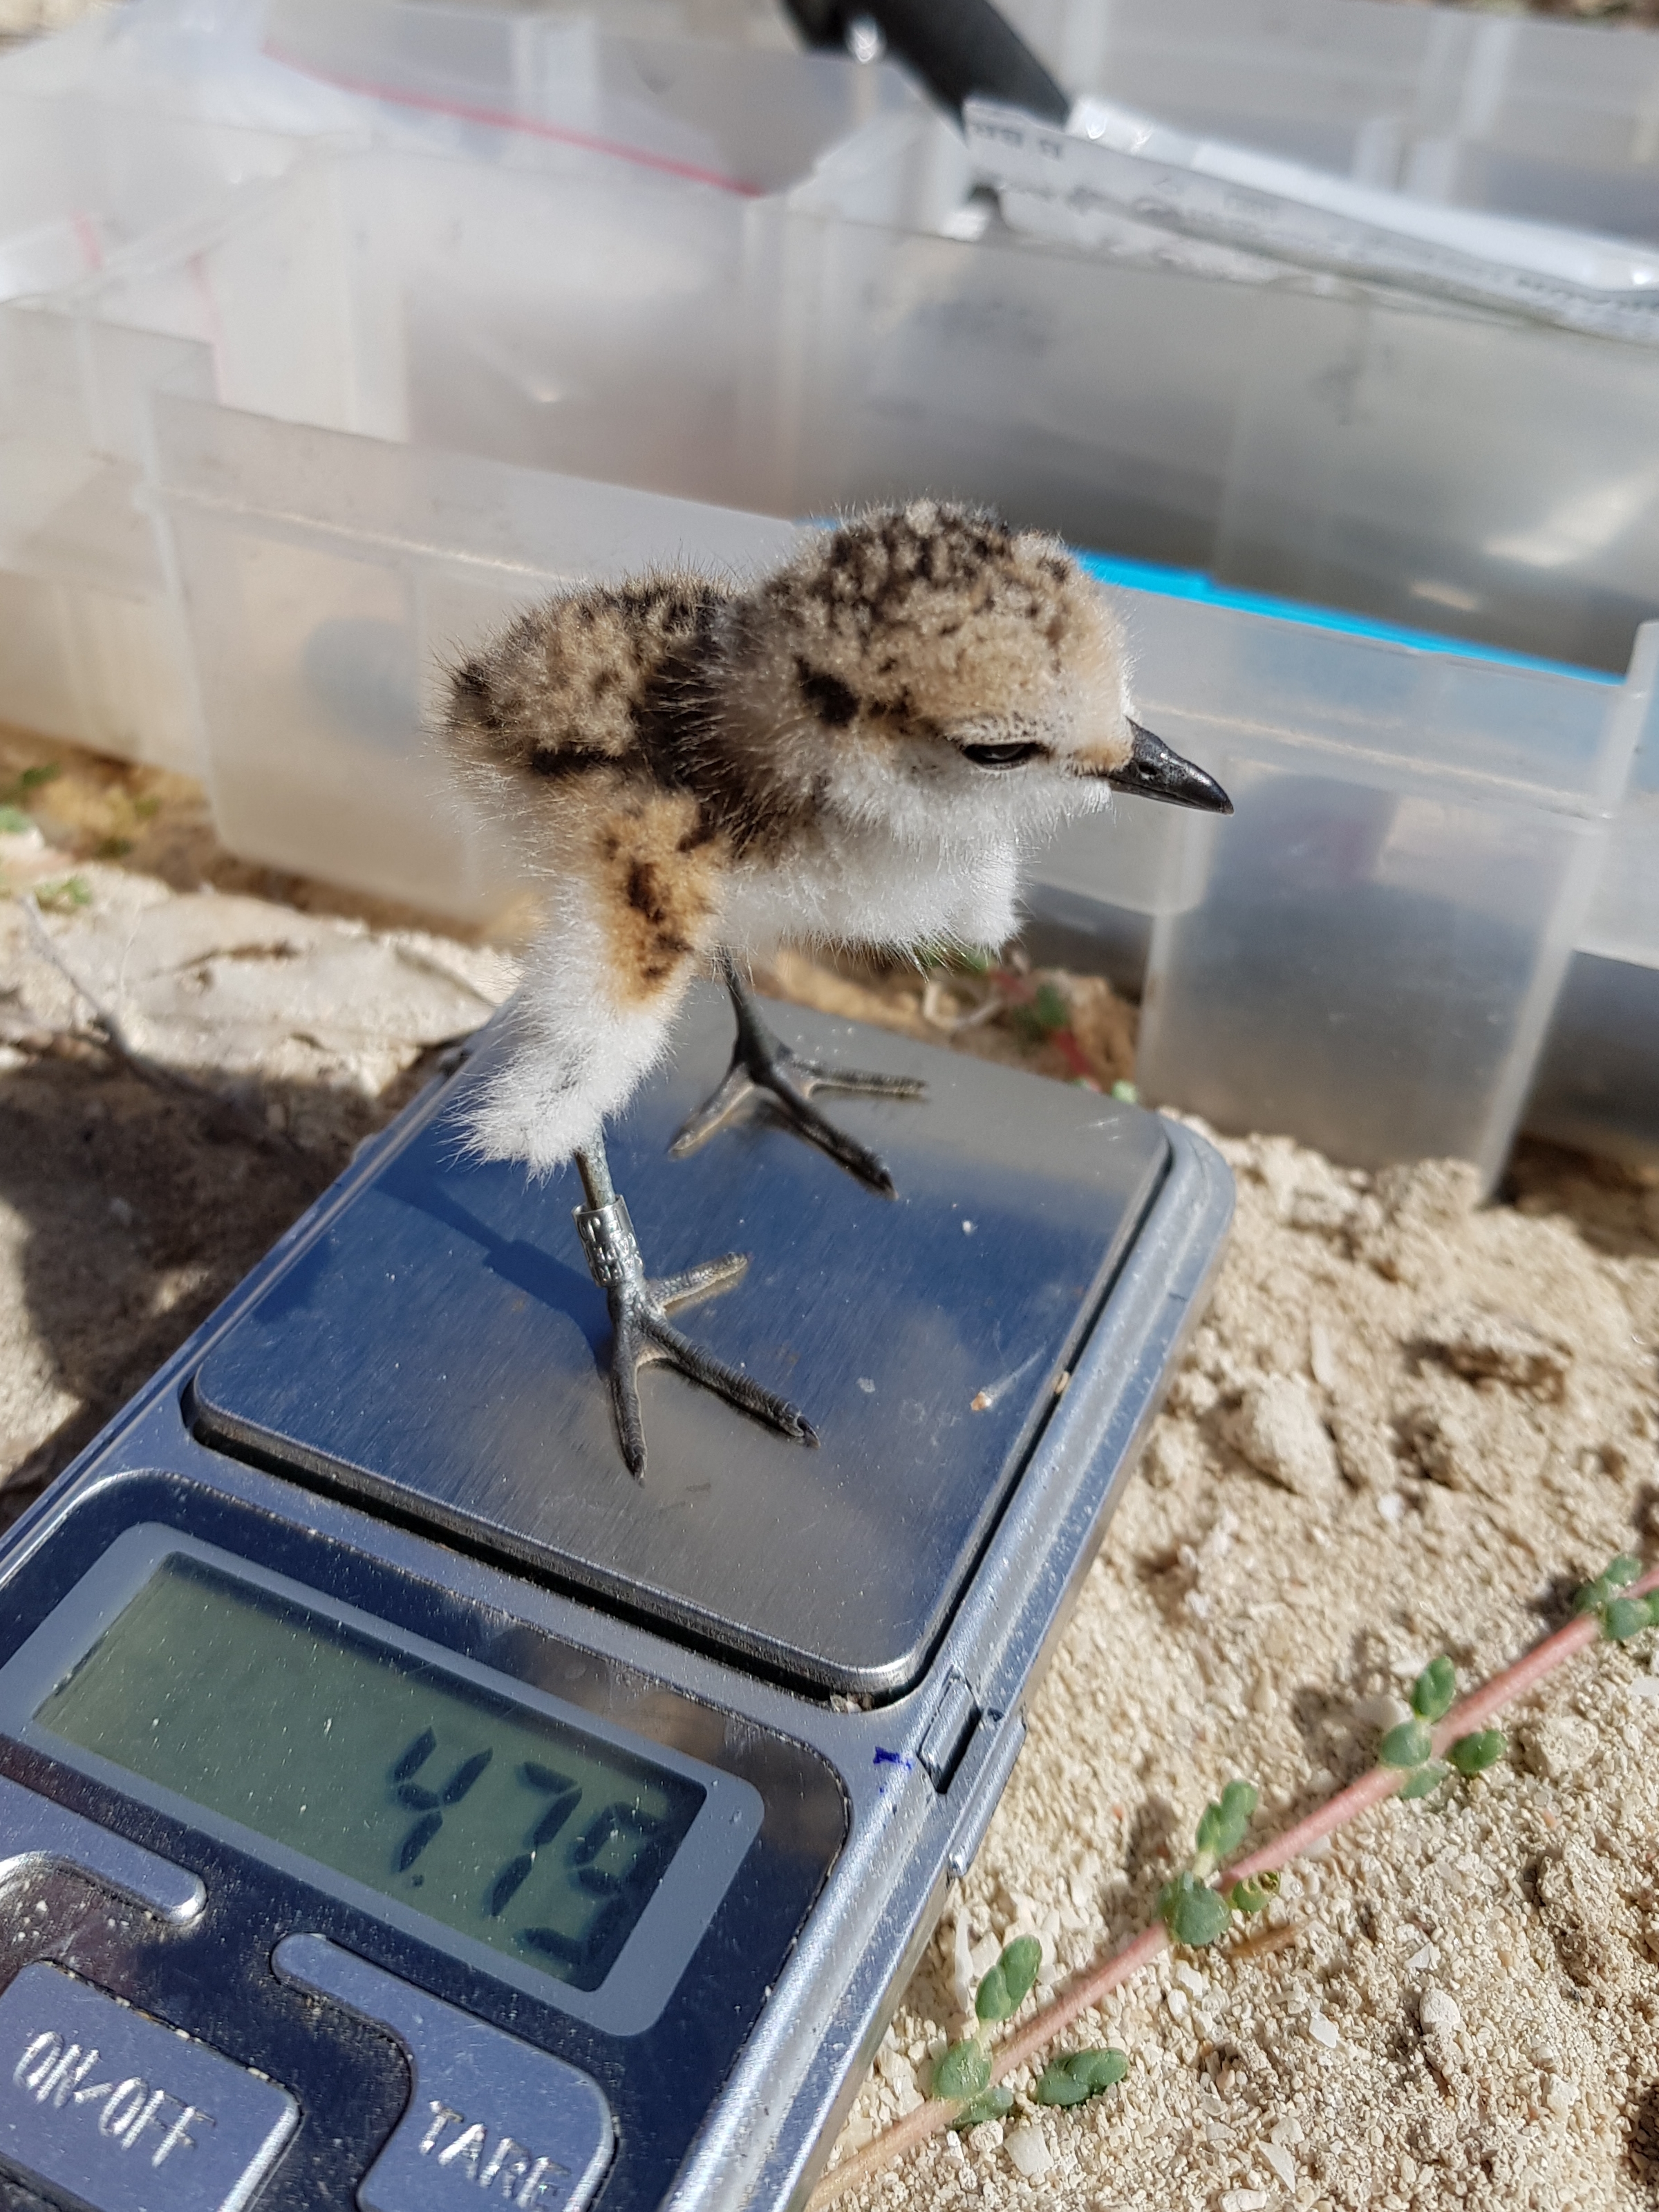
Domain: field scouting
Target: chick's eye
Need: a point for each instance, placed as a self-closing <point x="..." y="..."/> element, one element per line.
<point x="1009" y="755"/>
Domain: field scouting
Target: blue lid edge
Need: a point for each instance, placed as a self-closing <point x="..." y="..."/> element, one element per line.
<point x="1194" y="584"/>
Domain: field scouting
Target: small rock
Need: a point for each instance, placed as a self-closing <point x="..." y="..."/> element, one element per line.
<point x="1468" y="1438"/>
<point x="1322" y="1357"/>
<point x="1558" y="1746"/>
<point x="1190" y="1979"/>
<point x="1277" y="1428"/>
<point x="1382" y="1712"/>
<point x="1287" y="2131"/>
<point x="896" y="2069"/>
<point x="1401" y="1233"/>
<point x="1561" y="2095"/>
<point x="1175" y="1456"/>
<point x="1323" y="2031"/>
<point x="1439" y="2012"/>
<point x="1364" y="1449"/>
<point x="1027" y="2147"/>
<point x="984" y="1956"/>
<point x="1281" y="2162"/>
<point x="1475" y="1342"/>
<point x="1305" y="1191"/>
<point x="1244" y="2200"/>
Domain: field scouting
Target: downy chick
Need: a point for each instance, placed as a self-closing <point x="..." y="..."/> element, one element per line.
<point x="856" y="749"/>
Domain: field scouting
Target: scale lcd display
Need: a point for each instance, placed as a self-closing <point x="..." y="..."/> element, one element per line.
<point x="502" y="1823"/>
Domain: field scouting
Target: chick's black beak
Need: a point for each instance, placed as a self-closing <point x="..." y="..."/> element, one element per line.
<point x="1154" y="771"/>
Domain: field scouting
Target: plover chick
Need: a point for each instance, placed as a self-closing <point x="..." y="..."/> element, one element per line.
<point x="856" y="751"/>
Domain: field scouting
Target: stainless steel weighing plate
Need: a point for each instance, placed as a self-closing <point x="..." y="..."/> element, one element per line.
<point x="443" y="1352"/>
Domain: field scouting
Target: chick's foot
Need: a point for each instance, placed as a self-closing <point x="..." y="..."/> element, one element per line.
<point x="641" y="1334"/>
<point x="763" y="1067"/>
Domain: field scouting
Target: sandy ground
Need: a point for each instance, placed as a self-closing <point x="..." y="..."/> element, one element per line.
<point x="1408" y="1425"/>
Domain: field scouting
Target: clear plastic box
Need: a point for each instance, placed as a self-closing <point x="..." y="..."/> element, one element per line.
<point x="464" y="359"/>
<point x="113" y="178"/>
<point x="1557" y="121"/>
<point x="91" y="645"/>
<point x="330" y="581"/>
<point x="161" y="189"/>
<point x="1367" y="955"/>
<point x="1597" y="1084"/>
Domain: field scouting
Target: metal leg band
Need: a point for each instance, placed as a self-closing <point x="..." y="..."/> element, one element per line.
<point x="608" y="1240"/>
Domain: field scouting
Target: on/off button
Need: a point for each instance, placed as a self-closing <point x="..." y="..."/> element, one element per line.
<point x="118" y="2114"/>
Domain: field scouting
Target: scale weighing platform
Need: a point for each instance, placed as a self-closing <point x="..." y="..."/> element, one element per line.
<point x="401" y="1806"/>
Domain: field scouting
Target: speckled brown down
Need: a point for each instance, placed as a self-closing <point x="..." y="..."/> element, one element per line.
<point x="853" y="749"/>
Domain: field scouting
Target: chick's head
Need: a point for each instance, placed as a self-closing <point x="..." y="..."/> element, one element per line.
<point x="927" y="669"/>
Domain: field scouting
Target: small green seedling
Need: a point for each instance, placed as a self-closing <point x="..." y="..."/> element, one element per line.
<point x="1044" y="1013"/>
<point x="1010" y="1982"/>
<point x="1623" y="1568"/>
<point x="1197" y="1912"/>
<point x="1474" y="1754"/>
<point x="1406" y="1746"/>
<point x="1126" y="1092"/>
<point x="1620" y="1617"/>
<point x="1409" y="1744"/>
<point x="964" y="2071"/>
<point x="1194" y="1910"/>
<point x="68" y="892"/>
<point x="991" y="2105"/>
<point x="1253" y="1895"/>
<point x="17" y="792"/>
<point x="1221" y="1824"/>
<point x="1194" y="1913"/>
<point x="1628" y="1616"/>
<point x="1082" y="2074"/>
<point x="1435" y="1690"/>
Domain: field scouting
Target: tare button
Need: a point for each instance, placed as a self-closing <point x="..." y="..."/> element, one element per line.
<point x="491" y="2119"/>
<point x="112" y="2112"/>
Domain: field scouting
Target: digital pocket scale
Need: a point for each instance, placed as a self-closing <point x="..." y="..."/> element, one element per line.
<point x="401" y="1806"/>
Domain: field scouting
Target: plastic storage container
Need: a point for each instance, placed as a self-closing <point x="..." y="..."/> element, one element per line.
<point x="1376" y="957"/>
<point x="1557" y="121"/>
<point x="1598" y="1080"/>
<point x="117" y="165"/>
<point x="330" y="581"/>
<point x="428" y="347"/>
<point x="1368" y="953"/>
<point x="91" y="645"/>
<point x="1335" y="448"/>
<point x="790" y="346"/>
<point x="518" y="224"/>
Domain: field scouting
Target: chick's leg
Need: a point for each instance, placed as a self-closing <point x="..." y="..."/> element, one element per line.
<point x="641" y="1333"/>
<point x="762" y="1063"/>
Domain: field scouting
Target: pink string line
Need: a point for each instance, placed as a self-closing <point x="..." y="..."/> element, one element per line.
<point x="497" y="119"/>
